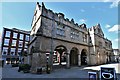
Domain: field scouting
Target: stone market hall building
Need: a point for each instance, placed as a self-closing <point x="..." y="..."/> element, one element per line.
<point x="61" y="41"/>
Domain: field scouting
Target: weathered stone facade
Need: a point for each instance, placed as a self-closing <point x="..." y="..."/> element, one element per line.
<point x="51" y="32"/>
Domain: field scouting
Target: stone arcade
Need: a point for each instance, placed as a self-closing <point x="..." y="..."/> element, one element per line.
<point x="64" y="42"/>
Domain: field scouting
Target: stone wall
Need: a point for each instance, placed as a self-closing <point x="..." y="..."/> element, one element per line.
<point x="38" y="60"/>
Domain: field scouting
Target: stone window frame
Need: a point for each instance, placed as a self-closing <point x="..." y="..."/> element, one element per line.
<point x="60" y="29"/>
<point x="84" y="37"/>
<point x="60" y="32"/>
<point x="74" y="34"/>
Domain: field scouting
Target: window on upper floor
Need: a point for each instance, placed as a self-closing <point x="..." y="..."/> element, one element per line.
<point x="6" y="42"/>
<point x="84" y="37"/>
<point x="14" y="42"/>
<point x="60" y="30"/>
<point x="27" y="37"/>
<point x="7" y="34"/>
<point x="74" y="35"/>
<point x="26" y="44"/>
<point x="90" y="40"/>
<point x="15" y="35"/>
<point x="21" y="36"/>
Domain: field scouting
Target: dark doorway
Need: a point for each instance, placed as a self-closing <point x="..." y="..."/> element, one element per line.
<point x="83" y="57"/>
<point x="74" y="57"/>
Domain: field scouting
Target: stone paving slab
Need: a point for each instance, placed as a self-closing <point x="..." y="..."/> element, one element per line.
<point x="59" y="73"/>
<point x="74" y="72"/>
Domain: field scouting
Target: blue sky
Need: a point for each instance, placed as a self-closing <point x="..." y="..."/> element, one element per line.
<point x="19" y="15"/>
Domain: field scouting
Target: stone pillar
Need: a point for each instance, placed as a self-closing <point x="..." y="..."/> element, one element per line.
<point x="88" y="59"/>
<point x="79" y="60"/>
<point x="38" y="60"/>
<point x="68" y="61"/>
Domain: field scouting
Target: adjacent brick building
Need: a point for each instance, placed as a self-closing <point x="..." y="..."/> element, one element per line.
<point x="14" y="42"/>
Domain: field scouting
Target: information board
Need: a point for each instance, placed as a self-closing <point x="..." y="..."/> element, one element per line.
<point x="92" y="75"/>
<point x="107" y="73"/>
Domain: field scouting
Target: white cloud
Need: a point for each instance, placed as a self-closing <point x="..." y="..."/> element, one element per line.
<point x="107" y="26"/>
<point x="115" y="28"/>
<point x="107" y="0"/>
<point x="117" y="40"/>
<point x="82" y="10"/>
<point x="82" y="20"/>
<point x="114" y="3"/>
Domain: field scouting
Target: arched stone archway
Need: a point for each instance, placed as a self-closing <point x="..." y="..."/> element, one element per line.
<point x="74" y="56"/>
<point x="60" y="55"/>
<point x="84" y="57"/>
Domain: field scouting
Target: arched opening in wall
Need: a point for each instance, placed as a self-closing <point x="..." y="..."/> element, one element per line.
<point x="59" y="57"/>
<point x="74" y="56"/>
<point x="84" y="57"/>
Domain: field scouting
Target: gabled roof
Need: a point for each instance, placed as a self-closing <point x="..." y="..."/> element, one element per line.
<point x="98" y="26"/>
